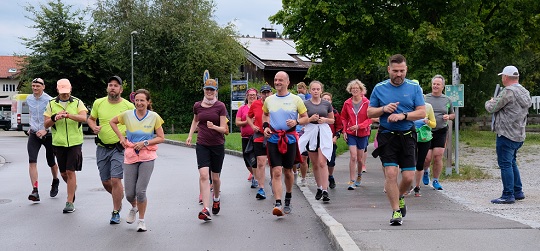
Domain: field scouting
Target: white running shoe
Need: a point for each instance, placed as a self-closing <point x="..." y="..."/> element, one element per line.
<point x="132" y="215"/>
<point x="141" y="227"/>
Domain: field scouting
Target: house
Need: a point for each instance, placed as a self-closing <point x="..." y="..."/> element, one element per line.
<point x="10" y="69"/>
<point x="270" y="54"/>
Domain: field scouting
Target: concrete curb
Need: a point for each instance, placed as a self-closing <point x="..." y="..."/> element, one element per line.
<point x="334" y="230"/>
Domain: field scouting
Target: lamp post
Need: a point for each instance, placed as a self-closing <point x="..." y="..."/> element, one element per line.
<point x="132" y="33"/>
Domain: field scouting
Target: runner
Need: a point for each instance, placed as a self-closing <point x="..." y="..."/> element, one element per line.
<point x="337" y="128"/>
<point x="246" y="131"/>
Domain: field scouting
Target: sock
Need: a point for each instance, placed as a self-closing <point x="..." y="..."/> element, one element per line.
<point x="435" y="179"/>
<point x="320" y="188"/>
<point x="330" y="176"/>
<point x="324" y="190"/>
<point x="288" y="195"/>
<point x="207" y="209"/>
<point x="278" y="202"/>
<point x="141" y="220"/>
<point x="35" y="184"/>
<point x="217" y="199"/>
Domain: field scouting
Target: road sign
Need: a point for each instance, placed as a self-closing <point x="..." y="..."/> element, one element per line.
<point x="238" y="93"/>
<point x="455" y="93"/>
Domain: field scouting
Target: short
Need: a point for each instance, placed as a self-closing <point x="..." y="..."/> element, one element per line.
<point x="398" y="150"/>
<point x="422" y="149"/>
<point x="439" y="138"/>
<point x="69" y="158"/>
<point x="244" y="154"/>
<point x="359" y="142"/>
<point x="275" y="158"/>
<point x="332" y="161"/>
<point x="259" y="148"/>
<point x="109" y="162"/>
<point x="210" y="156"/>
<point x="35" y="143"/>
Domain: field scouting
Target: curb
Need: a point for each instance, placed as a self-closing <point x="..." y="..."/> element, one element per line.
<point x="334" y="230"/>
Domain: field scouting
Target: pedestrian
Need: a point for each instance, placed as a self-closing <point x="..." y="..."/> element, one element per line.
<point x="246" y="131"/>
<point x="337" y="129"/>
<point x="64" y="115"/>
<point x="510" y="108"/>
<point x="109" y="151"/>
<point x="444" y="111"/>
<point x="424" y="125"/>
<point x="282" y="113"/>
<point x="302" y="90"/>
<point x="398" y="102"/>
<point x="39" y="136"/>
<point x="210" y="119"/>
<point x="254" y="119"/>
<point x="357" y="127"/>
<point x="317" y="137"/>
<point x="143" y="133"/>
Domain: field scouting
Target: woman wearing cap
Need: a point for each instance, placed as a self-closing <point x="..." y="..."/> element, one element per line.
<point x="143" y="132"/>
<point x="210" y="118"/>
<point x="246" y="131"/>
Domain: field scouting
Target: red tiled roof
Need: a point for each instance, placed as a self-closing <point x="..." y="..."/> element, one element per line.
<point x="10" y="62"/>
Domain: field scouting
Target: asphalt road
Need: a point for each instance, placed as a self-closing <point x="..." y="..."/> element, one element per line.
<point x="243" y="223"/>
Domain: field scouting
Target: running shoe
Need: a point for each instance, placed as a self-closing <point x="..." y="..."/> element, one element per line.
<point x="303" y="182"/>
<point x="54" y="187"/>
<point x="115" y="218"/>
<point x="437" y="185"/>
<point x="351" y="185"/>
<point x="287" y="208"/>
<point x="358" y="181"/>
<point x="141" y="227"/>
<point x="34" y="196"/>
<point x="200" y="199"/>
<point x="261" y="195"/>
<point x="132" y="215"/>
<point x="216" y="207"/>
<point x="402" y="206"/>
<point x="205" y="215"/>
<point x="254" y="183"/>
<point x="396" y="219"/>
<point x="417" y="192"/>
<point x="70" y="208"/>
<point x="332" y="182"/>
<point x="318" y="196"/>
<point x="277" y="211"/>
<point x="425" y="178"/>
<point x="325" y="197"/>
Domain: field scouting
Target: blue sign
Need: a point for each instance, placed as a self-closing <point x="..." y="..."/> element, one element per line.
<point x="455" y="93"/>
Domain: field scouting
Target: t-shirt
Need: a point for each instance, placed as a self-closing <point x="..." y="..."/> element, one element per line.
<point x="280" y="109"/>
<point x="207" y="136"/>
<point x="409" y="95"/>
<point x="140" y="129"/>
<point x="105" y="111"/>
<point x="441" y="105"/>
<point x="323" y="109"/>
<point x="245" y="131"/>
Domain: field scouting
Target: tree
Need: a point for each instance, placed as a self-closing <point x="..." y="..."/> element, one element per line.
<point x="65" y="48"/>
<point x="176" y="41"/>
<point x="354" y="39"/>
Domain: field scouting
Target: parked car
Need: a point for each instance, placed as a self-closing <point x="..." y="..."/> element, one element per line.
<point x="5" y="123"/>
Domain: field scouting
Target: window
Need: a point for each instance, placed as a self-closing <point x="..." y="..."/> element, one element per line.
<point x="8" y="88"/>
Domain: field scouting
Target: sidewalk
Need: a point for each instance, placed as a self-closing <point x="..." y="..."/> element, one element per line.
<point x="433" y="221"/>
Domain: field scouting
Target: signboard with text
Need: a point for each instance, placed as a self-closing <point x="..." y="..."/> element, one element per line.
<point x="238" y="93"/>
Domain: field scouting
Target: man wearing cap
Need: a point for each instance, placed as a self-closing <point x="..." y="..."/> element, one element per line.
<point x="38" y="135"/>
<point x="64" y="115"/>
<point x="254" y="119"/>
<point x="510" y="109"/>
<point x="109" y="151"/>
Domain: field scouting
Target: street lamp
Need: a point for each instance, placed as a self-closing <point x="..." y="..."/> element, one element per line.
<point x="132" y="33"/>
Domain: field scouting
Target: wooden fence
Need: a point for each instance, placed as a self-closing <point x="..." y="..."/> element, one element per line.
<point x="483" y="123"/>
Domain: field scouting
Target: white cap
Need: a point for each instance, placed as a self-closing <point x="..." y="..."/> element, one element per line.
<point x="510" y="71"/>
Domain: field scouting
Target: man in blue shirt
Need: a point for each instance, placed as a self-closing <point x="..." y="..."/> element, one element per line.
<point x="38" y="136"/>
<point x="398" y="102"/>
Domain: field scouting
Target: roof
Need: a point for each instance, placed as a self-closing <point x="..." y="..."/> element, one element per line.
<point x="272" y="52"/>
<point x="9" y="66"/>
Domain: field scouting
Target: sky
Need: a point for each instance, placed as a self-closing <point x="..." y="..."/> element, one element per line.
<point x="249" y="16"/>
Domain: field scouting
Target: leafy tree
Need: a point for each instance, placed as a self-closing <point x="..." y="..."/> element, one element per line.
<point x="176" y="41"/>
<point x="65" y="48"/>
<point x="354" y="39"/>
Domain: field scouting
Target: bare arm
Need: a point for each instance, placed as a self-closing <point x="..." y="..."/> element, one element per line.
<point x="194" y="124"/>
<point x="93" y="125"/>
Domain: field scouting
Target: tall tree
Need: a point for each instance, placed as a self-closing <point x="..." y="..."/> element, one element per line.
<point x="65" y="48"/>
<point x="176" y="41"/>
<point x="354" y="38"/>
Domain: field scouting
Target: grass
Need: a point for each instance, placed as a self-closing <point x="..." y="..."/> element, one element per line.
<point x="466" y="172"/>
<point x="476" y="138"/>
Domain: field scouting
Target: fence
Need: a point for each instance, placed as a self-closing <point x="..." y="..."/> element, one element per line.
<point x="483" y="123"/>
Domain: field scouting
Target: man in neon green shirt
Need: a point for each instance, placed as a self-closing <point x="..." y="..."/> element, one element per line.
<point x="64" y="115"/>
<point x="109" y="152"/>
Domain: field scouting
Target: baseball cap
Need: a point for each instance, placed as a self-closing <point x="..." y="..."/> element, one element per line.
<point x="266" y="88"/>
<point x="115" y="78"/>
<point x="63" y="86"/>
<point x="510" y="71"/>
<point x="210" y="84"/>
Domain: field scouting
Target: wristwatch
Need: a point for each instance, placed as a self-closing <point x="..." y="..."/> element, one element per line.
<point x="145" y="143"/>
<point x="405" y="116"/>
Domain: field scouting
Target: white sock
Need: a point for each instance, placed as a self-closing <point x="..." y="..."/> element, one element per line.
<point x="141" y="220"/>
<point x="217" y="199"/>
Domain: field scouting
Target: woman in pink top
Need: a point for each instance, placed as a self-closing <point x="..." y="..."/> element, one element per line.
<point x="246" y="131"/>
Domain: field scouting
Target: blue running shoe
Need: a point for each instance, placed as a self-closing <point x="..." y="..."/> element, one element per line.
<point x="425" y="179"/>
<point x="358" y="181"/>
<point x="254" y="183"/>
<point x="437" y="185"/>
<point x="115" y="219"/>
<point x="260" y="194"/>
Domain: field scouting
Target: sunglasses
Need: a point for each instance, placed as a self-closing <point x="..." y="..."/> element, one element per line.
<point x="36" y="80"/>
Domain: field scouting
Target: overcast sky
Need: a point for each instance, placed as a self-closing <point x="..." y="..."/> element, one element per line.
<point x="249" y="16"/>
